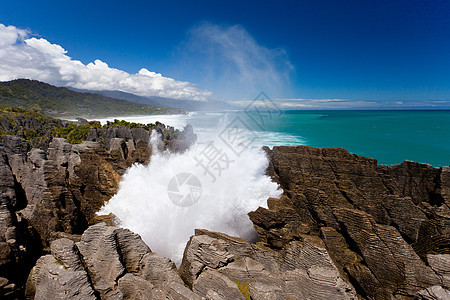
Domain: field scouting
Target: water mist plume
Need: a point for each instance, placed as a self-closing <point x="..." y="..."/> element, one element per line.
<point x="144" y="205"/>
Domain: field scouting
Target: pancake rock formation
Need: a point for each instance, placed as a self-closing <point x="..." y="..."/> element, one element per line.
<point x="344" y="228"/>
<point x="50" y="188"/>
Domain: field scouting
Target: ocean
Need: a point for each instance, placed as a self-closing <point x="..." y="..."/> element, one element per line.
<point x="388" y="136"/>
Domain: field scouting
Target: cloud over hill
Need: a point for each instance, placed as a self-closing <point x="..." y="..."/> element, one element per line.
<point x="25" y="56"/>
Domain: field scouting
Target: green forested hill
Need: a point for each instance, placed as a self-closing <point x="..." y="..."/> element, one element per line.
<point x="62" y="102"/>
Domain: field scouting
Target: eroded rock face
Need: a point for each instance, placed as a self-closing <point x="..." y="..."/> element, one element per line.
<point x="108" y="263"/>
<point x="434" y="293"/>
<point x="113" y="263"/>
<point x="53" y="193"/>
<point x="345" y="228"/>
<point x="51" y="279"/>
<point x="19" y="243"/>
<point x="218" y="266"/>
<point x="386" y="228"/>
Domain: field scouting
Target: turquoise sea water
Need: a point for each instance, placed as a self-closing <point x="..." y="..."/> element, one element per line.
<point x="388" y="136"/>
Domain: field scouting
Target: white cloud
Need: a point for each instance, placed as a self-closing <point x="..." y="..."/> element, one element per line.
<point x="22" y="56"/>
<point x="302" y="103"/>
<point x="10" y="34"/>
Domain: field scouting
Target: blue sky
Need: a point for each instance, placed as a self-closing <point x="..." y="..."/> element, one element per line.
<point x="388" y="51"/>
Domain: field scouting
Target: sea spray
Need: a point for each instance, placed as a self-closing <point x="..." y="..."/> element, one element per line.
<point x="144" y="204"/>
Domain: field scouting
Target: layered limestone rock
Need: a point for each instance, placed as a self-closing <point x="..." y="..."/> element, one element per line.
<point x="386" y="228"/>
<point x="53" y="193"/>
<point x="433" y="293"/>
<point x="344" y="228"/>
<point x="113" y="263"/>
<point x="108" y="263"/>
<point x="218" y="266"/>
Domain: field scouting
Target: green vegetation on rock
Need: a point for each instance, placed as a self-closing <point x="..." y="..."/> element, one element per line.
<point x="73" y="133"/>
<point x="244" y="288"/>
<point x="39" y="129"/>
<point x="123" y="123"/>
<point x="61" y="263"/>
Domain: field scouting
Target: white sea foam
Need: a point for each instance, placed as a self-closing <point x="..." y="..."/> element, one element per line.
<point x="143" y="205"/>
<point x="177" y="121"/>
<point x="205" y="124"/>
